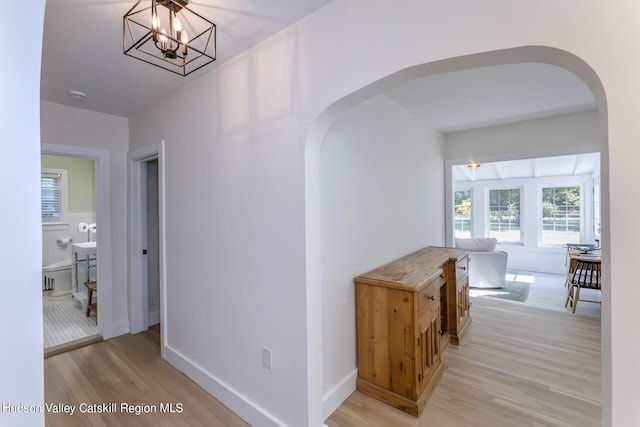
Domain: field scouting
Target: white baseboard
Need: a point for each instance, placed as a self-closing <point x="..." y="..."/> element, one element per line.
<point x="234" y="400"/>
<point x="154" y="318"/>
<point x="338" y="394"/>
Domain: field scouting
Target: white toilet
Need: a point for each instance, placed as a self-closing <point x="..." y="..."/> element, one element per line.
<point x="57" y="277"/>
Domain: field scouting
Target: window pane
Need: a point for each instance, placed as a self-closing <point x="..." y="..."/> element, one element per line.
<point x="50" y="198"/>
<point x="560" y="215"/>
<point x="504" y="215"/>
<point x="462" y="216"/>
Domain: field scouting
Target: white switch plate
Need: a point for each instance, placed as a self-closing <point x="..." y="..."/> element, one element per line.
<point x="266" y="357"/>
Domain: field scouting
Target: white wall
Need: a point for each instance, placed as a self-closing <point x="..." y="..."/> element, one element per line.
<point x="21" y="367"/>
<point x="566" y="134"/>
<point x="75" y="127"/>
<point x="240" y="148"/>
<point x="235" y="273"/>
<point x="382" y="197"/>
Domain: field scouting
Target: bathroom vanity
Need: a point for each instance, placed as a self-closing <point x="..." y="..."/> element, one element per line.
<point x="85" y="262"/>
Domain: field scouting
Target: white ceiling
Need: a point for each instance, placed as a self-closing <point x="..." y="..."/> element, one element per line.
<point x="493" y="95"/>
<point x="82" y="48"/>
<point x="579" y="164"/>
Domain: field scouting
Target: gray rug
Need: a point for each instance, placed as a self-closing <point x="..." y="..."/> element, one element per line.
<point x="513" y="290"/>
<point x="63" y="321"/>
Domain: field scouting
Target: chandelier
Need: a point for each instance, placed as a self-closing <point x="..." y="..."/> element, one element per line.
<point x="169" y="35"/>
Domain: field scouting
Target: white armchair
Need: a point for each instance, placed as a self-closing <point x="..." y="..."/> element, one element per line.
<point x="487" y="266"/>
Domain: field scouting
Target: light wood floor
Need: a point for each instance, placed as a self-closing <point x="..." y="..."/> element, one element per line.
<point x="516" y="366"/>
<point x="128" y="369"/>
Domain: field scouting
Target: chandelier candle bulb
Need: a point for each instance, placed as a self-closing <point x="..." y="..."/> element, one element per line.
<point x="185" y="41"/>
<point x="155" y="23"/>
<point x="177" y="27"/>
<point x="163" y="39"/>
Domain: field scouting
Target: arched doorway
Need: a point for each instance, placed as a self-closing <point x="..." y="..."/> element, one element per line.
<point x="327" y="352"/>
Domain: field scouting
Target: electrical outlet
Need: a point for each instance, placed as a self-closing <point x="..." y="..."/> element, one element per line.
<point x="266" y="357"/>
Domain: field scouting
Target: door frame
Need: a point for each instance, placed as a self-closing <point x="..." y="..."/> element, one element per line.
<point x="103" y="233"/>
<point x="138" y="304"/>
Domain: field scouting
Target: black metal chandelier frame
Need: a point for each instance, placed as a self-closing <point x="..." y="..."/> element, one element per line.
<point x="143" y="39"/>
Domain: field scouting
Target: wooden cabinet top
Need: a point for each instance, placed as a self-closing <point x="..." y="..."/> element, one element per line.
<point x="414" y="271"/>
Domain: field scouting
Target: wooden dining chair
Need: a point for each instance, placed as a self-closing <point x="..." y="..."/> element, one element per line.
<point x="586" y="275"/>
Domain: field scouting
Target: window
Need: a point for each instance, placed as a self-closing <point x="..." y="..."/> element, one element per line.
<point x="504" y="215"/>
<point x="560" y="215"/>
<point x="462" y="216"/>
<point x="51" y="197"/>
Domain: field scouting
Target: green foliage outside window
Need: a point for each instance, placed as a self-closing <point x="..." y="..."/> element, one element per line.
<point x="462" y="213"/>
<point x="504" y="215"/>
<point x="560" y="215"/>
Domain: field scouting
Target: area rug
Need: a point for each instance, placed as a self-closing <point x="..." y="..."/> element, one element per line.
<point x="513" y="290"/>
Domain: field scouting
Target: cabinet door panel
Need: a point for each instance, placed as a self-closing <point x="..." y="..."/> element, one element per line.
<point x="401" y="342"/>
<point x="429" y="346"/>
<point x="373" y="335"/>
<point x="463" y="301"/>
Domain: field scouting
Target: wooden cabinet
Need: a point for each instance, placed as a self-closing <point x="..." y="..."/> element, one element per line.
<point x="399" y="344"/>
<point x="458" y="294"/>
<point x="400" y="313"/>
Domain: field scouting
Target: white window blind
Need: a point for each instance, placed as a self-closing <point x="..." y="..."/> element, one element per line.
<point x="51" y="197"/>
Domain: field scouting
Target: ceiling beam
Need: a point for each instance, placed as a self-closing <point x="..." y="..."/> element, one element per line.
<point x="576" y="166"/>
<point x="468" y="173"/>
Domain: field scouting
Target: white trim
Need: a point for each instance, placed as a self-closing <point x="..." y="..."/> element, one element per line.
<point x="449" y="201"/>
<point x="154" y="317"/>
<point x="120" y="328"/>
<point x="338" y="394"/>
<point x="136" y="263"/>
<point x="240" y="404"/>
<point x="106" y="328"/>
<point x="144" y="312"/>
<point x="138" y="304"/>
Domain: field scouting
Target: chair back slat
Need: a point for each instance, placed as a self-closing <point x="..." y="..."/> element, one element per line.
<point x="587" y="274"/>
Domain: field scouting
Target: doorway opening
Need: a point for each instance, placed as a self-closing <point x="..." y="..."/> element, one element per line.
<point x="80" y="230"/>
<point x="152" y="240"/>
<point x="70" y="263"/>
<point x="147" y="288"/>
<point x="337" y="380"/>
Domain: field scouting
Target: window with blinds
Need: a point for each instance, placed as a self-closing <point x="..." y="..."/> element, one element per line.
<point x="51" y="197"/>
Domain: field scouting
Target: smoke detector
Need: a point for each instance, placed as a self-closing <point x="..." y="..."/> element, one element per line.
<point x="76" y="94"/>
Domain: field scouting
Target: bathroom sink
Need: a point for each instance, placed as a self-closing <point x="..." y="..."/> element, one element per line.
<point x="85" y="245"/>
<point x="84" y="249"/>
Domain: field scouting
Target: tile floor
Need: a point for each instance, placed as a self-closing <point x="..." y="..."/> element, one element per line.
<point x="63" y="320"/>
